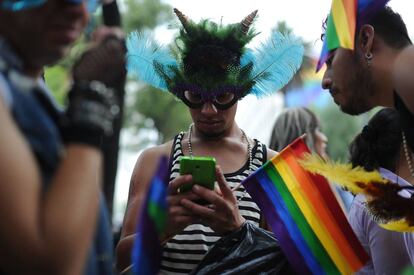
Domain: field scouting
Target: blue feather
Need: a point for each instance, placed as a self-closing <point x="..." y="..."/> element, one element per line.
<point x="275" y="63"/>
<point x="143" y="53"/>
<point x="14" y="5"/>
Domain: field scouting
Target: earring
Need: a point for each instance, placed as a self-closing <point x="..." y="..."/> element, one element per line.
<point x="368" y="58"/>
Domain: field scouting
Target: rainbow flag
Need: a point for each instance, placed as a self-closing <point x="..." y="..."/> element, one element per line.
<point x="305" y="216"/>
<point x="146" y="252"/>
<point x="344" y="19"/>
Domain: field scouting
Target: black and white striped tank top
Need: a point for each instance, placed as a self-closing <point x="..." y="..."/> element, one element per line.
<point x="185" y="250"/>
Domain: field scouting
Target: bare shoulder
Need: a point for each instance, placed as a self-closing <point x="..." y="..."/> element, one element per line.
<point x="140" y="180"/>
<point x="146" y="164"/>
<point x="271" y="153"/>
<point x="402" y="76"/>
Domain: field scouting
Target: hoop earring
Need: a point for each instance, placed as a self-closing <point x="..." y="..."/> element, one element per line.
<point x="368" y="58"/>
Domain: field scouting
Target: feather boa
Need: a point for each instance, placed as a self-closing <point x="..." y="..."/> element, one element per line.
<point x="389" y="209"/>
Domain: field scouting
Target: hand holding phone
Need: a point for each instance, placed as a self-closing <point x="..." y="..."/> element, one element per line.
<point x="203" y="170"/>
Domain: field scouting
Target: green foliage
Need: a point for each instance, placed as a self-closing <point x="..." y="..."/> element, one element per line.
<point x="141" y="14"/>
<point x="340" y="129"/>
<point x="152" y="108"/>
<point x="165" y="112"/>
<point x="57" y="80"/>
<point x="58" y="77"/>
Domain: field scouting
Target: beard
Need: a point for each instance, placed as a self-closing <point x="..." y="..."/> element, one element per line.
<point x="212" y="135"/>
<point x="361" y="89"/>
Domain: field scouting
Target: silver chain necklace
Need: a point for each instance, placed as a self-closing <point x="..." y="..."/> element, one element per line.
<point x="407" y="154"/>
<point x="249" y="153"/>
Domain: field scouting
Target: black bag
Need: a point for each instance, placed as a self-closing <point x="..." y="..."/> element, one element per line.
<point x="250" y="250"/>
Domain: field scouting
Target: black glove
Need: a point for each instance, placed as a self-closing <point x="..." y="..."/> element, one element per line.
<point x="90" y="114"/>
<point x="93" y="104"/>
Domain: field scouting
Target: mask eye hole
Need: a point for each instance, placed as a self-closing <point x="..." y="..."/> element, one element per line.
<point x="192" y="97"/>
<point x="225" y="98"/>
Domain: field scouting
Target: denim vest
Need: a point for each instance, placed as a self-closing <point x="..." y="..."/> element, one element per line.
<point x="37" y="116"/>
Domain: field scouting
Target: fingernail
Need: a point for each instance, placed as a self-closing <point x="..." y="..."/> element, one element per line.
<point x="196" y="187"/>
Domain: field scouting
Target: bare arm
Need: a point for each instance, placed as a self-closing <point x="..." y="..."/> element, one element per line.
<point x="403" y="77"/>
<point x="45" y="233"/>
<point x="140" y="179"/>
<point x="177" y="217"/>
<point x="271" y="153"/>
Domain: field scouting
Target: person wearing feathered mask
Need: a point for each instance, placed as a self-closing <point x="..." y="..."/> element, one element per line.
<point x="210" y="70"/>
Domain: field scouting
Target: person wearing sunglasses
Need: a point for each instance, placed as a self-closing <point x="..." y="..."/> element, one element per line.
<point x="53" y="220"/>
<point x="212" y="71"/>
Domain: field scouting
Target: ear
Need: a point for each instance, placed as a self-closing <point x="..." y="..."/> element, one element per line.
<point x="365" y="41"/>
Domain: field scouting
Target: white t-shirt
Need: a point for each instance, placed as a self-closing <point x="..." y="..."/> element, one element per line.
<point x="388" y="249"/>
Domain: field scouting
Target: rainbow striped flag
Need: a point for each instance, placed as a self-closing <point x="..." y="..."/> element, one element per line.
<point x="146" y="252"/>
<point x="343" y="20"/>
<point x="305" y="216"/>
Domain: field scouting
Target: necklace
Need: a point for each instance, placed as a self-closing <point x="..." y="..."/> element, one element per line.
<point x="407" y="154"/>
<point x="249" y="153"/>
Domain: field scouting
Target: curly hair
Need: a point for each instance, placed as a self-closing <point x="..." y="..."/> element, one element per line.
<point x="379" y="143"/>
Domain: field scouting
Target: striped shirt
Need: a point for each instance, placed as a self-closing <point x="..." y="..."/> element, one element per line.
<point x="185" y="250"/>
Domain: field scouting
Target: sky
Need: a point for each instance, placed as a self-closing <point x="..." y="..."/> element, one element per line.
<point x="305" y="17"/>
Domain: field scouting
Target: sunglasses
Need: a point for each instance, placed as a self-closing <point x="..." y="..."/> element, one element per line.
<point x="221" y="101"/>
<point x="18" y="5"/>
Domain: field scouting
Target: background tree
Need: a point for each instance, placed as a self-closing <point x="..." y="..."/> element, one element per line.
<point x="340" y="129"/>
<point x="145" y="14"/>
<point x="148" y="108"/>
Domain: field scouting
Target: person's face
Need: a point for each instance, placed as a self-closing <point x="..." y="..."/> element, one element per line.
<point x="321" y="142"/>
<point x="211" y="121"/>
<point x="44" y="34"/>
<point x="349" y="81"/>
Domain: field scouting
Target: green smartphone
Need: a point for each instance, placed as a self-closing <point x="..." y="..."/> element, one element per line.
<point x="203" y="170"/>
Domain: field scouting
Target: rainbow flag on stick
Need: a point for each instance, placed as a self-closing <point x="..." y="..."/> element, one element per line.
<point x="146" y="252"/>
<point x="305" y="216"/>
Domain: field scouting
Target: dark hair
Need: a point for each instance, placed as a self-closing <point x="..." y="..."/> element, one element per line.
<point x="388" y="25"/>
<point x="292" y="123"/>
<point x="379" y="143"/>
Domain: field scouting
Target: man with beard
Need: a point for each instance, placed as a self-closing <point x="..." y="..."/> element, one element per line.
<point x="377" y="72"/>
<point x="213" y="72"/>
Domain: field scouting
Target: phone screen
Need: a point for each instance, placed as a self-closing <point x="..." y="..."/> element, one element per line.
<point x="203" y="170"/>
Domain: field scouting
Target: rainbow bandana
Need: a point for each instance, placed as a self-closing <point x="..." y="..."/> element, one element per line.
<point x="305" y="216"/>
<point x="343" y="21"/>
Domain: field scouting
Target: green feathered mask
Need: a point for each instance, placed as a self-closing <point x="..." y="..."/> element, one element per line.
<point x="212" y="59"/>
